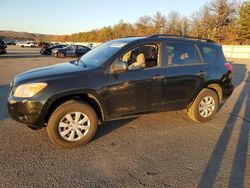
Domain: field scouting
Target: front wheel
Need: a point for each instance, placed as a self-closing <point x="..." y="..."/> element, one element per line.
<point x="61" y="55"/>
<point x="72" y="124"/>
<point x="204" y="106"/>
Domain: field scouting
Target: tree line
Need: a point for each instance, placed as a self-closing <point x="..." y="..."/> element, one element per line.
<point x="224" y="21"/>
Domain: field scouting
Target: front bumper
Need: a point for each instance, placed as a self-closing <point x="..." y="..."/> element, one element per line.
<point x="26" y="111"/>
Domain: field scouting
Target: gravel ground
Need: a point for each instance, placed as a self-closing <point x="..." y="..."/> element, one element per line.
<point x="159" y="150"/>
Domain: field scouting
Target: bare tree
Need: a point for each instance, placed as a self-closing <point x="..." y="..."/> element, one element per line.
<point x="173" y="23"/>
<point x="217" y="20"/>
<point x="159" y="23"/>
<point x="184" y="26"/>
<point x="123" y="29"/>
<point x="202" y="23"/>
<point x="144" y="26"/>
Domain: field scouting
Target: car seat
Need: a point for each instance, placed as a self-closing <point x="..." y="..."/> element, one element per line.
<point x="140" y="62"/>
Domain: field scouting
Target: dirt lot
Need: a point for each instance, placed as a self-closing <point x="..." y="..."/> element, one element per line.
<point x="159" y="150"/>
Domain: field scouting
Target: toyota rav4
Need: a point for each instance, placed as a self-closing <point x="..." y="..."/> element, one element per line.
<point x="119" y="79"/>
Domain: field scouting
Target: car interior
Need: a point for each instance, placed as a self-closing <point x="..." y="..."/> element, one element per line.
<point x="145" y="56"/>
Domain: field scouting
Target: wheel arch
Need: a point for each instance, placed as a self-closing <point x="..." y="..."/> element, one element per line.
<point x="217" y="88"/>
<point x="88" y="98"/>
<point x="213" y="85"/>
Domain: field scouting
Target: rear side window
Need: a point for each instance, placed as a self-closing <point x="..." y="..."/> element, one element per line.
<point x="181" y="54"/>
<point x="82" y="48"/>
<point x="208" y="53"/>
<point x="70" y="48"/>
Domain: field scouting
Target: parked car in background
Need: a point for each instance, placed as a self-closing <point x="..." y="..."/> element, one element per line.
<point x="43" y="44"/>
<point x="48" y="49"/>
<point x="70" y="51"/>
<point x="123" y="78"/>
<point x="31" y="44"/>
<point x="3" y="47"/>
<point x="10" y="42"/>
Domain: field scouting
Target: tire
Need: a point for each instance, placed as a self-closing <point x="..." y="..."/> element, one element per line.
<point x="61" y="55"/>
<point x="195" y="111"/>
<point x="58" y="116"/>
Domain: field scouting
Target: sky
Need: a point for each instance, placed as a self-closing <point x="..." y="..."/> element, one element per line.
<point x="73" y="16"/>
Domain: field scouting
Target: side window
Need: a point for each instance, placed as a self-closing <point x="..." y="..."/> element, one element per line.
<point x="70" y="48"/>
<point x="82" y="48"/>
<point x="181" y="54"/>
<point x="208" y="53"/>
<point x="140" y="57"/>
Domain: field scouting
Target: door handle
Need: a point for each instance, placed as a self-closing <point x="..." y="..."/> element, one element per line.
<point x="202" y="73"/>
<point x="158" y="77"/>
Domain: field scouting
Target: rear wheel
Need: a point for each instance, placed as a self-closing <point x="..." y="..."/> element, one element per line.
<point x="205" y="106"/>
<point x="72" y="124"/>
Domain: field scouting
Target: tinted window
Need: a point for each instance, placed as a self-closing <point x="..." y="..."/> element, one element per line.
<point x="70" y="48"/>
<point x="181" y="54"/>
<point x="208" y="53"/>
<point x="82" y="48"/>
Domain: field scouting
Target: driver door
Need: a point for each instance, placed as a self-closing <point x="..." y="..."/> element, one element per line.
<point x="136" y="91"/>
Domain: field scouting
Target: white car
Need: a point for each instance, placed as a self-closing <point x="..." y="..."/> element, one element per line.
<point x="27" y="44"/>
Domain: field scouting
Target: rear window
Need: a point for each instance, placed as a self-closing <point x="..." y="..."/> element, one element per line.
<point x="208" y="53"/>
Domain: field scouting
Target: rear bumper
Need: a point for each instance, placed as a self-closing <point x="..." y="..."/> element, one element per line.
<point x="227" y="91"/>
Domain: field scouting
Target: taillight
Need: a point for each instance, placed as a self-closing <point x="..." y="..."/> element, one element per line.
<point x="229" y="66"/>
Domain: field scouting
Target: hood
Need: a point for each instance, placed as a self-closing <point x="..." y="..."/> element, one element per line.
<point x="57" y="71"/>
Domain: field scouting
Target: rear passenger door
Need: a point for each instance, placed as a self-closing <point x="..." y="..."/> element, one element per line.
<point x="71" y="51"/>
<point x="81" y="50"/>
<point x="185" y="73"/>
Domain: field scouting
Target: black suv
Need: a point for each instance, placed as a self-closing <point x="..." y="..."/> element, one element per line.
<point x="70" y="51"/>
<point x="122" y="78"/>
<point x="3" y="47"/>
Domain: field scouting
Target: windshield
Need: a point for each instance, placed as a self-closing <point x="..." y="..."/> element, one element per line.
<point x="101" y="53"/>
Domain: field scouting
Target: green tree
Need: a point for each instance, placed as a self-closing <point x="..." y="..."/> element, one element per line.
<point x="224" y="12"/>
<point x="244" y="23"/>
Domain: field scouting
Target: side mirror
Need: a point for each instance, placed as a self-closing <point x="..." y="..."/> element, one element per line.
<point x="119" y="66"/>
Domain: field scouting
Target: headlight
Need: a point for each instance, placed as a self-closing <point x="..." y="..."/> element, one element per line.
<point x="29" y="90"/>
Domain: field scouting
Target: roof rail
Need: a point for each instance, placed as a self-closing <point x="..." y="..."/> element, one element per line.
<point x="182" y="36"/>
